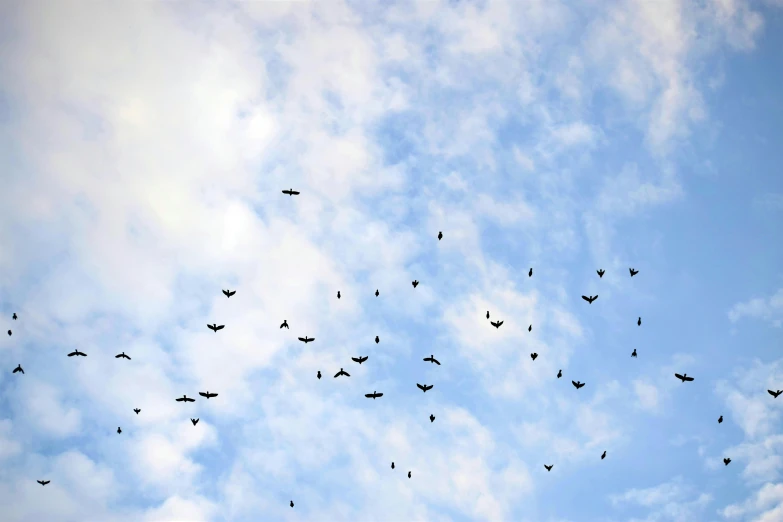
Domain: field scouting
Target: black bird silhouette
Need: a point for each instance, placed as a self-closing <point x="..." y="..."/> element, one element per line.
<point x="229" y="293"/>
<point x="359" y="359"/>
<point x="432" y="418"/>
<point x="590" y="299"/>
<point x="18" y="369"/>
<point x="374" y="395"/>
<point x="392" y="465"/>
<point x="292" y="502"/>
<point x="118" y="430"/>
<point x="415" y="283"/>
<point x="600" y="272"/>
<point x="377" y="340"/>
<point x="633" y="354"/>
<point x="306" y="339"/>
<point x="77" y="352"/>
<point x="425" y="387"/>
<point x="684" y="377"/>
<point x="122" y="355"/>
<point x="603" y="455"/>
<point x="775" y="393"/>
<point x="43" y="482"/>
<point x="194" y="421"/>
<point x="185" y="398"/>
<point x="338" y="294"/>
<point x="533" y="356"/>
<point x="720" y="419"/>
<point x="530" y="328"/>
<point x="726" y="461"/>
<point x="530" y="273"/>
<point x="432" y="359"/>
<point x="14" y="316"/>
<point x="633" y="272"/>
<point x="440" y="236"/>
<point x="559" y="373"/>
<point x="285" y="324"/>
<point x="496" y="324"/>
<point x="291" y="192"/>
<point x="577" y="384"/>
<point x="409" y="474"/>
<point x="9" y="332"/>
<point x="207" y="394"/>
<point x="341" y="372"/>
<point x="377" y="293"/>
<point x="548" y="468"/>
<point x="215" y="327"/>
<point x="137" y="410"/>
<point x="487" y="314"/>
<point x="319" y="375"/>
<point x="639" y="322"/>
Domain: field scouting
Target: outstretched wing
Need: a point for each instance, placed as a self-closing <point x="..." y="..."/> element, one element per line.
<point x="225" y="293"/>
<point x="190" y="400"/>
<point x="379" y="395"/>
<point x="220" y="327"/>
<point x="310" y="339"/>
<point x="202" y="394"/>
<point x="72" y="354"/>
<point x="428" y="387"/>
<point x="232" y="293"/>
<point x="212" y="395"/>
<point x="355" y="359"/>
<point x="286" y="192"/>
<point x="575" y="384"/>
<point x="303" y="339"/>
<point x="688" y="378"/>
<point x="679" y="376"/>
<point x="362" y="359"/>
<point x="772" y="393"/>
<point x="180" y="399"/>
<point x="369" y="395"/>
<point x="211" y="328"/>
<point x="436" y="362"/>
<point x="421" y="387"/>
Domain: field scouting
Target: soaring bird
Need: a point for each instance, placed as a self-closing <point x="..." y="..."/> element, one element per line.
<point x="77" y="352"/>
<point x="559" y="373"/>
<point x="726" y="461"/>
<point x="548" y="468"/>
<point x="377" y="340"/>
<point x="374" y="395"/>
<point x="409" y="474"/>
<point x="194" y="421"/>
<point x="14" y="316"/>
<point x="207" y="394"/>
<point x="425" y="387"/>
<point x="496" y="324"/>
<point x="10" y="332"/>
<point x="530" y="328"/>
<point x="415" y="283"/>
<point x="43" y="482"/>
<point x="775" y="393"/>
<point x="392" y="464"/>
<point x="720" y="419"/>
<point x="432" y="359"/>
<point x="432" y="418"/>
<point x="229" y="293"/>
<point x="338" y="294"/>
<point x="684" y="377"/>
<point x="319" y="375"/>
<point x="215" y="327"/>
<point x="377" y="293"/>
<point x="119" y="430"/>
<point x="440" y="236"/>
<point x="341" y="372"/>
<point x="603" y="455"/>
<point x="292" y="502"/>
<point x="306" y="339"/>
<point x="590" y="299"/>
<point x="18" y="369"/>
<point x="633" y="354"/>
<point x="533" y="356"/>
<point x="136" y="410"/>
<point x="487" y="314"/>
<point x="639" y="322"/>
<point x="530" y="273"/>
<point x="185" y="398"/>
<point x="291" y="192"/>
<point x="633" y="272"/>
<point x="600" y="272"/>
<point x="359" y="359"/>
<point x="285" y="324"/>
<point x="577" y="384"/>
<point x="122" y="355"/>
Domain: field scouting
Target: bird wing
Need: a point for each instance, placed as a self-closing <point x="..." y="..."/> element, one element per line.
<point x="303" y="339"/>
<point x="118" y="356"/>
<point x="286" y="192"/>
<point x="211" y="327"/>
<point x="310" y="339"/>
<point x="225" y="293"/>
<point x="421" y="387"/>
<point x="180" y="399"/>
<point x="586" y="298"/>
<point x="436" y="362"/>
<point x="379" y="395"/>
<point x="575" y="384"/>
<point x="678" y="376"/>
<point x="354" y="359"/>
<point x="428" y="387"/>
<point x="362" y="359"/>
<point x="581" y="384"/>
<point x="71" y="354"/>
<point x="295" y="192"/>
<point x="594" y="298"/>
<point x="220" y="327"/>
<point x="369" y="395"/>
<point x="427" y="359"/>
<point x="688" y="378"/>
<point x="127" y="357"/>
<point x="772" y="393"/>
<point x="201" y="393"/>
<point x="190" y="400"/>
<point x="212" y="395"/>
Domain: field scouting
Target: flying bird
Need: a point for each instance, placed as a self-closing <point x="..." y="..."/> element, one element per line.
<point x="559" y="373"/>
<point x="425" y="387"/>
<point x="306" y="339"/>
<point x="374" y="395"/>
<point x="285" y="324"/>
<point x="496" y="324"/>
<point x="377" y="340"/>
<point x="207" y="394"/>
<point x="530" y="273"/>
<point x="409" y="474"/>
<point x="775" y="393"/>
<point x="726" y="461"/>
<point x="603" y="455"/>
<point x="633" y="272"/>
<point x="338" y="294"/>
<point x="9" y="332"/>
<point x="432" y="418"/>
<point x="415" y="283"/>
<point x="291" y="192"/>
<point x="533" y="356"/>
<point x="684" y="377"/>
<point x="577" y="384"/>
<point x="392" y="465"/>
<point x="377" y="293"/>
<point x="229" y="293"/>
<point x="292" y="502"/>
<point x="440" y="236"/>
<point x="639" y="322"/>
<point x="319" y="375"/>
<point x="530" y="328"/>
<point x="122" y="355"/>
<point x="77" y="352"/>
<point x="633" y="354"/>
<point x="18" y="369"/>
<point x="487" y="314"/>
<point x="137" y="410"/>
<point x="341" y="372"/>
<point x="118" y="430"/>
<point x="194" y="421"/>
<point x="432" y="359"/>
<point x="43" y="482"/>
<point x="215" y="327"/>
<point x="548" y="468"/>
<point x="14" y="316"/>
<point x="590" y="299"/>
<point x="720" y="419"/>
<point x="360" y="360"/>
<point x="600" y="272"/>
<point x="185" y="398"/>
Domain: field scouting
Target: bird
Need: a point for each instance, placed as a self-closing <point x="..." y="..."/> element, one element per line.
<point x="577" y="384"/>
<point x="775" y="393"/>
<point x="9" y="332"/>
<point x="409" y="474"/>
<point x="319" y="375"/>
<point x="377" y="340"/>
<point x="726" y="461"/>
<point x="338" y="294"/>
<point x="530" y="328"/>
<point x="341" y="372"/>
<point x="432" y="418"/>
<point x="185" y="398"/>
<point x="194" y="421"/>
<point x="43" y="482"/>
<point x="603" y="455"/>
<point x="359" y="359"/>
<point x="415" y="283"/>
<point x="292" y="502"/>
<point x="639" y="322"/>
<point x="633" y="354"/>
<point x="633" y="272"/>
<point x="118" y="430"/>
<point x="590" y="299"/>
<point x="440" y="236"/>
<point x="291" y="192"/>
<point x="548" y="468"/>
<point x="496" y="324"/>
<point x="136" y="410"/>
<point x="285" y="324"/>
<point x="77" y="352"/>
<point x="530" y="273"/>
<point x="306" y="339"/>
<point x="392" y="465"/>
<point x="425" y="387"/>
<point x="215" y="327"/>
<point x="600" y="272"/>
<point x="432" y="359"/>
<point x="18" y="369"/>
<point x="207" y="394"/>
<point x="229" y="293"/>
<point x="684" y="377"/>
<point x="487" y="314"/>
<point x="14" y="316"/>
<point x="374" y="395"/>
<point x="377" y="293"/>
<point x="720" y="419"/>
<point x="559" y="373"/>
<point x="533" y="356"/>
<point x="122" y="355"/>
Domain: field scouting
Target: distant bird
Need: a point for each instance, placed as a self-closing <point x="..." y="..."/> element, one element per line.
<point x="533" y="356"/>
<point x="377" y="340"/>
<point x="374" y="395"/>
<point x="590" y="299"/>
<point x="122" y="355"/>
<point x="633" y="272"/>
<point x="559" y="373"/>
<point x="684" y="377"/>
<point x="530" y="328"/>
<point x="319" y="375"/>
<point x="409" y="474"/>
<point x="207" y="394"/>
<point x="530" y="273"/>
<point x="415" y="283"/>
<point x="285" y="324"/>
<point x="775" y="393"/>
<point x="229" y="293"/>
<point x="377" y="293"/>
<point x="720" y="419"/>
<point x="359" y="359"/>
<point x="338" y="294"/>
<point x="9" y="332"/>
<point x="137" y="410"/>
<point x="600" y="272"/>
<point x="306" y="339"/>
<point x="603" y="455"/>
<point x="548" y="468"/>
<point x="425" y="387"/>
<point x="215" y="327"/>
<point x="119" y="430"/>
<point x="18" y="369"/>
<point x="432" y="418"/>
<point x="487" y="314"/>
<point x="291" y="192"/>
<point x="194" y="421"/>
<point x="43" y="482"/>
<point x="392" y="465"/>
<point x="432" y="359"/>
<point x="341" y="372"/>
<point x="14" y="316"/>
<point x="633" y="354"/>
<point x="726" y="461"/>
<point x="577" y="384"/>
<point x="440" y="236"/>
<point x="639" y="322"/>
<point x="77" y="352"/>
<point x="496" y="324"/>
<point x="185" y="398"/>
<point x="292" y="502"/>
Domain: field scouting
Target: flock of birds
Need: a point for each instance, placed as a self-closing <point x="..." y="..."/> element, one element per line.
<point x="361" y="359"/>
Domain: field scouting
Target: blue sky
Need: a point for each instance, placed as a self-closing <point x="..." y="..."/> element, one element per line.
<point x="144" y="146"/>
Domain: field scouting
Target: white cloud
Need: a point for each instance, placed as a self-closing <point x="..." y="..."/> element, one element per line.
<point x="646" y="395"/>
<point x="767" y="308"/>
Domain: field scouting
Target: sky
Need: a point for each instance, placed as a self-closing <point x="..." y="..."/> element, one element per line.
<point x="143" y="149"/>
